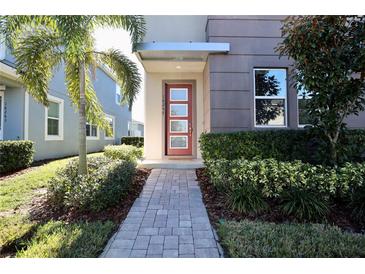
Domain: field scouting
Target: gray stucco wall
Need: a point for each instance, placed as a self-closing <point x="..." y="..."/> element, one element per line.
<point x="105" y="88"/>
<point x="252" y="40"/>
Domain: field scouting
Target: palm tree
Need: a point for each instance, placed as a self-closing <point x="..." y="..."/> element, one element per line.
<point x="41" y="44"/>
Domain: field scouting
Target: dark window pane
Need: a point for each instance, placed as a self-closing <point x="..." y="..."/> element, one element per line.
<point x="270" y="112"/>
<point x="52" y="128"/>
<point x="87" y="130"/>
<point x="94" y="131"/>
<point x="270" y="82"/>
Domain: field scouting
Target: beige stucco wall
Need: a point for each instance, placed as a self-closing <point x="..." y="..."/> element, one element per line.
<point x="154" y="117"/>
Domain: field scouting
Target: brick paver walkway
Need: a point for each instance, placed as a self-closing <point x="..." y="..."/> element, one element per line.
<point x="168" y="220"/>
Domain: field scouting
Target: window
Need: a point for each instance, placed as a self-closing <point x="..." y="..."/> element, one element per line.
<point x="54" y="119"/>
<point x="303" y="117"/>
<point x="111" y="122"/>
<point x="92" y="132"/>
<point x="118" y="96"/>
<point x="270" y="97"/>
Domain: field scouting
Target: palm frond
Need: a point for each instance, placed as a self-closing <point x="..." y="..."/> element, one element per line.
<point x="11" y="26"/>
<point x="126" y="71"/>
<point x="94" y="111"/>
<point x="37" y="55"/>
<point x="134" y="24"/>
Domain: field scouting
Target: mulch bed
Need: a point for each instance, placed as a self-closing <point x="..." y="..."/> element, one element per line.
<point x="42" y="211"/>
<point x="218" y="210"/>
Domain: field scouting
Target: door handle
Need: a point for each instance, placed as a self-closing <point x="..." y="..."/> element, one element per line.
<point x="190" y="129"/>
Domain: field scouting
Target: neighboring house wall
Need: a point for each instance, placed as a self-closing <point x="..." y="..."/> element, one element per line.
<point x="105" y="89"/>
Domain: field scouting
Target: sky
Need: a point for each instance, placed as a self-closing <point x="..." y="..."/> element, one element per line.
<point x="119" y="39"/>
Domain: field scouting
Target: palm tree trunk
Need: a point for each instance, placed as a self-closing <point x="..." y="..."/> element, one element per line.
<point x="82" y="123"/>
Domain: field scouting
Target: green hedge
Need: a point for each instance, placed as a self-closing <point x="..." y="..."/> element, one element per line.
<point x="123" y="152"/>
<point x="301" y="186"/>
<point x="104" y="186"/>
<point x="15" y="155"/>
<point x="248" y="239"/>
<point x="283" y="145"/>
<point x="133" y="141"/>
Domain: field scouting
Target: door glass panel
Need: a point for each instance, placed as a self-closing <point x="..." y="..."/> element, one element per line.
<point x="179" y="126"/>
<point x="180" y="110"/>
<point x="178" y="94"/>
<point x="177" y="142"/>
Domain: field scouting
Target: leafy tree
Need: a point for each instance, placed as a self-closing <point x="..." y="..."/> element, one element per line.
<point x="329" y="62"/>
<point x="41" y="44"/>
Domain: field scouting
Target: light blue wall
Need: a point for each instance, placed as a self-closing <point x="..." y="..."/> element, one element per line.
<point x="105" y="89"/>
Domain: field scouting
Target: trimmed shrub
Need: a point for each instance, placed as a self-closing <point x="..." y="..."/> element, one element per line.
<point x="247" y="239"/>
<point x="303" y="190"/>
<point x="15" y="155"/>
<point x="282" y="145"/>
<point x="357" y="205"/>
<point x="304" y="205"/>
<point x="133" y="141"/>
<point x="104" y="186"/>
<point x="273" y="177"/>
<point x="123" y="152"/>
<point x="246" y="200"/>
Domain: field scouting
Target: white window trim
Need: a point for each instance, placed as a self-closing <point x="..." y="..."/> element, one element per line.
<point x="186" y="94"/>
<point x="186" y="122"/>
<point x="59" y="137"/>
<point x="285" y="98"/>
<point x="184" y="136"/>
<point x="186" y="108"/>
<point x="93" y="137"/>
<point x="2" y="94"/>
<point x="113" y="118"/>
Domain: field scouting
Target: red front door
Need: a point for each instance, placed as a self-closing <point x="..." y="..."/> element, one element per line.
<point x="179" y="119"/>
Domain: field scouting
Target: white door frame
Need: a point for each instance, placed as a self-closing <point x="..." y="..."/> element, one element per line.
<point x="2" y="115"/>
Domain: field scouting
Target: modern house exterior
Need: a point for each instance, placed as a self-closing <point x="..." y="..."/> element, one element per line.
<point x="54" y="129"/>
<point x="215" y="74"/>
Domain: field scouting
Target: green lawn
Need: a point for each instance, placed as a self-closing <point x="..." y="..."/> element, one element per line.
<point x="53" y="239"/>
<point x="63" y="240"/>
<point x="17" y="191"/>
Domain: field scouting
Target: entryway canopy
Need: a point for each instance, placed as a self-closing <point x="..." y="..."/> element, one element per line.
<point x="178" y="57"/>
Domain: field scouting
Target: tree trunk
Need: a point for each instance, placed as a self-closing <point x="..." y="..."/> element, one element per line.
<point x="82" y="122"/>
<point x="333" y="147"/>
